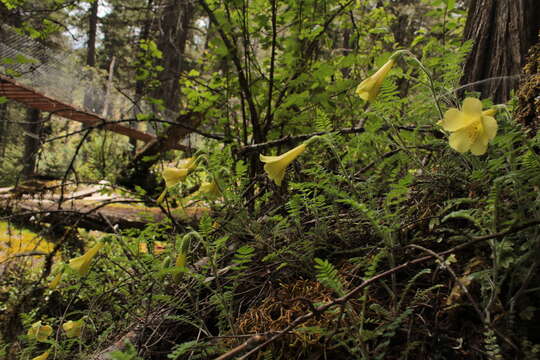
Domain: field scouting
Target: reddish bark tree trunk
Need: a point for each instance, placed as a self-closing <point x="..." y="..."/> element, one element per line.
<point x="502" y="31"/>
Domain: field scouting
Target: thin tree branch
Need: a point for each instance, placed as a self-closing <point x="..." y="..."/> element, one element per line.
<point x="242" y="79"/>
<point x="295" y="139"/>
<point x="269" y="114"/>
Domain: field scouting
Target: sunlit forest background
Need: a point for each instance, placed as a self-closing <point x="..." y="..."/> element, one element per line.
<point x="269" y="179"/>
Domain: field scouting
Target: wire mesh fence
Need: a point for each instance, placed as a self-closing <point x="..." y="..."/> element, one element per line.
<point x="59" y="75"/>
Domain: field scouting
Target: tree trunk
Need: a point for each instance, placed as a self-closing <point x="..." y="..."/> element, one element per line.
<point x="32" y="142"/>
<point x="174" y="29"/>
<point x="91" y="56"/>
<point x="502" y="32"/>
<point x="92" y="34"/>
<point x="141" y="84"/>
<point x="176" y="19"/>
<point x="4" y="128"/>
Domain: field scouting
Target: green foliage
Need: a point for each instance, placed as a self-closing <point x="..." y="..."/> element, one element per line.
<point x="328" y="276"/>
<point x="129" y="353"/>
<point x="358" y="200"/>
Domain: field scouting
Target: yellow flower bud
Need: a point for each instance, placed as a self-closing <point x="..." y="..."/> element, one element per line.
<point x="173" y="176"/>
<point x="73" y="328"/>
<point x="370" y="87"/>
<point x="275" y="166"/>
<point x="54" y="283"/>
<point x="210" y="190"/>
<point x="181" y="260"/>
<point x="159" y="247"/>
<point x="82" y="263"/>
<point x="188" y="163"/>
<point x="40" y="332"/>
<point x="43" y="356"/>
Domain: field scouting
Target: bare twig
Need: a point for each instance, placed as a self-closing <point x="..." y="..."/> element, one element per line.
<point x="295" y="139"/>
<point x="249" y="344"/>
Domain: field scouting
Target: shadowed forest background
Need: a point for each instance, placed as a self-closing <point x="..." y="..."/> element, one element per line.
<point x="269" y="179"/>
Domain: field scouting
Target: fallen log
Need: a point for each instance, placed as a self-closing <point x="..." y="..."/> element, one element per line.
<point x="90" y="209"/>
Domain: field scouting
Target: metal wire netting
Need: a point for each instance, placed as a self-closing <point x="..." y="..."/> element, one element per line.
<point x="59" y="75"/>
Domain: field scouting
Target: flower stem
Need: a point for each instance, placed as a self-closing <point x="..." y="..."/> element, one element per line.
<point x="429" y="76"/>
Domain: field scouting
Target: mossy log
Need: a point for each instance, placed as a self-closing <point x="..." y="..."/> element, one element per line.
<point x="528" y="108"/>
<point x="89" y="208"/>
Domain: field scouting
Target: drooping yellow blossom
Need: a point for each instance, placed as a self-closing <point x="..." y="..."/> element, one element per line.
<point x="181" y="257"/>
<point x="209" y="190"/>
<point x="54" y="283"/>
<point x="82" y="263"/>
<point x="173" y="176"/>
<point x="370" y="87"/>
<point x="143" y="248"/>
<point x="73" y="328"/>
<point x="159" y="247"/>
<point x="181" y="260"/>
<point x="40" y="332"/>
<point x="275" y="166"/>
<point x="43" y="356"/>
<point x="188" y="163"/>
<point x="471" y="128"/>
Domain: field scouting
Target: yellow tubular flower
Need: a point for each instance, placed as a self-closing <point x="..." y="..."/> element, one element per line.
<point x="180" y="263"/>
<point x="73" y="328"/>
<point x="181" y="260"/>
<point x="43" y="356"/>
<point x="82" y="263"/>
<point x="276" y="165"/>
<point x="370" y="87"/>
<point x="188" y="163"/>
<point x="54" y="283"/>
<point x="159" y="247"/>
<point x="173" y="176"/>
<point x="40" y="332"/>
<point x="471" y="128"/>
<point x="181" y="257"/>
<point x="208" y="189"/>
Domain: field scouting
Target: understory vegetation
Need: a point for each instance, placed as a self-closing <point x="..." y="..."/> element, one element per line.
<point x="381" y="241"/>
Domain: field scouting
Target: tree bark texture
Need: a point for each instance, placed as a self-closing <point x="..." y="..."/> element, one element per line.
<point x="4" y="128"/>
<point x="32" y="142"/>
<point x="176" y="20"/>
<point x="140" y="84"/>
<point x="502" y="32"/>
<point x="91" y="55"/>
<point x="92" y="34"/>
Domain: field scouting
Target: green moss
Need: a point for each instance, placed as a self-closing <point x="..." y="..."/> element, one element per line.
<point x="528" y="109"/>
<point x="16" y="241"/>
